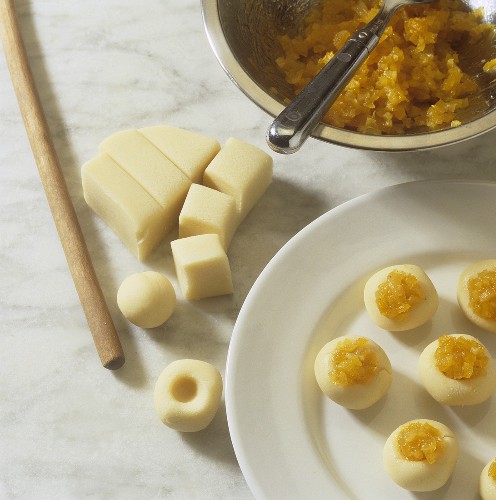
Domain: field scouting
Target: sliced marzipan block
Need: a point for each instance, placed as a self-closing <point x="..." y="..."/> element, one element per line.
<point x="208" y="211"/>
<point x="202" y="267"/>
<point x="151" y="169"/>
<point x="123" y="204"/>
<point x="242" y="171"/>
<point x="189" y="151"/>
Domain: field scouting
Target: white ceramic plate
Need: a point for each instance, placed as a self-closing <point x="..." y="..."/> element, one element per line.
<point x="292" y="442"/>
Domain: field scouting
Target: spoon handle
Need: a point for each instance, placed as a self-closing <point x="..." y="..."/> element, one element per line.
<point x="296" y="122"/>
<point x="83" y="274"/>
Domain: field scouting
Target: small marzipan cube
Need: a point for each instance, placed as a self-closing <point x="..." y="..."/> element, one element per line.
<point x="242" y="171"/>
<point x="202" y="266"/>
<point x="189" y="151"/>
<point x="132" y="213"/>
<point x="151" y="169"/>
<point x="208" y="211"/>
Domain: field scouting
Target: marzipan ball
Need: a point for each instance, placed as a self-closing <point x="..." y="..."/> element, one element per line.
<point x="146" y="299"/>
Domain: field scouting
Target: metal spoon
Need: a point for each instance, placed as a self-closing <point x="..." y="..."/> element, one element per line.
<point x="296" y="122"/>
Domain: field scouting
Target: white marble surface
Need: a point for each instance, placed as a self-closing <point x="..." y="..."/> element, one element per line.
<point x="70" y="428"/>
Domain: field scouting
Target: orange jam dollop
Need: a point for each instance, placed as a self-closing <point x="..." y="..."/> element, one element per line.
<point x="482" y="294"/>
<point x="398" y="294"/>
<point x="460" y="357"/>
<point x="420" y="441"/>
<point x="353" y="362"/>
<point x="492" y="470"/>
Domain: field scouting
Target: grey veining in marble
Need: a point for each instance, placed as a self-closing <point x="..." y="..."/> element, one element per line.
<point x="71" y="429"/>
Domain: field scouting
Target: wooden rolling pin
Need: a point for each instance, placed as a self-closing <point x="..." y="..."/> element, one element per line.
<point x="90" y="294"/>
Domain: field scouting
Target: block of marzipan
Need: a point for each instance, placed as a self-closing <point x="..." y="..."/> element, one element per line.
<point x="151" y="169"/>
<point x="202" y="267"/>
<point x="189" y="151"/>
<point x="208" y="211"/>
<point x="124" y="205"/>
<point x="241" y="170"/>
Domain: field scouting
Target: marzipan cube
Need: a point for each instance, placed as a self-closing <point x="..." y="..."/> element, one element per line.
<point x="207" y="211"/>
<point x="202" y="266"/>
<point x="242" y="171"/>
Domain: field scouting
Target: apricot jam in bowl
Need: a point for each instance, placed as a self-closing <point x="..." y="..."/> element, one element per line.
<point x="431" y="80"/>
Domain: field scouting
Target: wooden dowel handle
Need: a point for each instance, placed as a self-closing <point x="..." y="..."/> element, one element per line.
<point x="83" y="274"/>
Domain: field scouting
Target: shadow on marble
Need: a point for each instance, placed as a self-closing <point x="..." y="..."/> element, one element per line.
<point x="48" y="98"/>
<point x="190" y="333"/>
<point x="469" y="160"/>
<point x="132" y="373"/>
<point x="160" y="259"/>
<point x="283" y="211"/>
<point x="214" y="441"/>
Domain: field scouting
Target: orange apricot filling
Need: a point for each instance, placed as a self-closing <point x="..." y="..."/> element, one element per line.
<point x="491" y="472"/>
<point x="482" y="294"/>
<point x="460" y="358"/>
<point x="412" y="78"/>
<point x="420" y="441"/>
<point x="353" y="362"/>
<point x="398" y="294"/>
<point x="489" y="65"/>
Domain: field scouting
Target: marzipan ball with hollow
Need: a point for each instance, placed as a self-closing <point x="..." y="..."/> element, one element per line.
<point x="187" y="394"/>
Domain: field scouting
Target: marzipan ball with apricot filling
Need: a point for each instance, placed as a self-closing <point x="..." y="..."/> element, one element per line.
<point x="457" y="370"/>
<point x="477" y="294"/>
<point x="420" y="455"/>
<point x="400" y="297"/>
<point x="354" y="372"/>
<point x="487" y="481"/>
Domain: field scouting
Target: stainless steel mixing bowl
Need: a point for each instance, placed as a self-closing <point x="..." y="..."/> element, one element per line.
<point x="243" y="35"/>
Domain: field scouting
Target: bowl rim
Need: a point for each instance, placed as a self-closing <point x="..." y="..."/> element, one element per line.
<point x="243" y="80"/>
